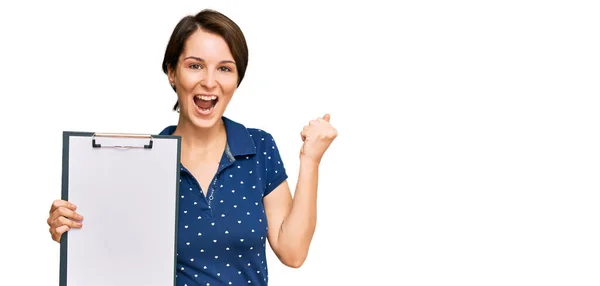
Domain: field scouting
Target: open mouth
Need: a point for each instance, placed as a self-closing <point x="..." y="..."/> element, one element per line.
<point x="206" y="102"/>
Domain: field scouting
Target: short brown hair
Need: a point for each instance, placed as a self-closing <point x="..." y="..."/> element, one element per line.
<point x="212" y="22"/>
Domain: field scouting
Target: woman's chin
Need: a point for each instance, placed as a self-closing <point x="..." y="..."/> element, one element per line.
<point x="205" y="123"/>
<point x="205" y="118"/>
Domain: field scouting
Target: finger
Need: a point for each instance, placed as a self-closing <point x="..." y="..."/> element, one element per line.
<point x="69" y="222"/>
<point x="327" y="117"/>
<point x="58" y="232"/>
<point x="62" y="203"/>
<point x="303" y="135"/>
<point x="323" y="121"/>
<point x="55" y="215"/>
<point x="305" y="132"/>
<point x="334" y="133"/>
<point x="65" y="212"/>
<point x="63" y="221"/>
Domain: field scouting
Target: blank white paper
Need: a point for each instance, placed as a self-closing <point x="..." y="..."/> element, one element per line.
<point x="128" y="198"/>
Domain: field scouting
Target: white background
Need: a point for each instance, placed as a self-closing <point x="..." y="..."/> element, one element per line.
<point x="468" y="149"/>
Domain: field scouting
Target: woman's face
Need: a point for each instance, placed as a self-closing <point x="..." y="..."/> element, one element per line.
<point x="205" y="78"/>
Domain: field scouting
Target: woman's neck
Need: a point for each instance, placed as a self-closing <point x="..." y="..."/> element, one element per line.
<point x="201" y="140"/>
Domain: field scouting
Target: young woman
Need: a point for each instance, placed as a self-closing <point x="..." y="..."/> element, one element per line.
<point x="234" y="190"/>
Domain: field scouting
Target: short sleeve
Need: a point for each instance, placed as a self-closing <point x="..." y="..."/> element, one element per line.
<point x="275" y="170"/>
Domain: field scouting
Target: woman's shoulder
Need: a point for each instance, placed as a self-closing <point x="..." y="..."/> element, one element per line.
<point x="258" y="135"/>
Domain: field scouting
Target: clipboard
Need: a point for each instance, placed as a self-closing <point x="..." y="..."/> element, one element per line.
<point x="126" y="186"/>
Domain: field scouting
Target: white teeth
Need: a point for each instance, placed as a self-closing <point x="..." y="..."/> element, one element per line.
<point x="204" y="97"/>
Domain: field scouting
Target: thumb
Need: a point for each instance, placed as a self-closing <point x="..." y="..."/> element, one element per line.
<point x="327" y="117"/>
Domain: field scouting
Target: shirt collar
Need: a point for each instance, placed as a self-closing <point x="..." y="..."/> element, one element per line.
<point x="239" y="141"/>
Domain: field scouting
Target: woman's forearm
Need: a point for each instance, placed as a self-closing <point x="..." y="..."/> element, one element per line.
<point x="297" y="229"/>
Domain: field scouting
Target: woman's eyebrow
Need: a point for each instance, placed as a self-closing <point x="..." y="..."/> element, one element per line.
<point x="202" y="60"/>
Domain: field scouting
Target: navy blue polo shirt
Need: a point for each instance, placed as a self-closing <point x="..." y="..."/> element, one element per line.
<point x="222" y="236"/>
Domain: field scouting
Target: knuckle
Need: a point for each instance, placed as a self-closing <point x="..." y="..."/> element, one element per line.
<point x="60" y="211"/>
<point x="61" y="220"/>
<point x="56" y="203"/>
<point x="68" y="223"/>
<point x="66" y="212"/>
<point x="60" y="230"/>
<point x="56" y="222"/>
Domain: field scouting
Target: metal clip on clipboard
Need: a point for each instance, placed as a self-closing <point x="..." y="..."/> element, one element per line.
<point x="117" y="135"/>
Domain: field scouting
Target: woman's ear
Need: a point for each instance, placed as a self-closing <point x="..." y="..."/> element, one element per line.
<point x="171" y="76"/>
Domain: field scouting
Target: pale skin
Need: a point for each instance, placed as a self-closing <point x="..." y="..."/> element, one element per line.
<point x="206" y="66"/>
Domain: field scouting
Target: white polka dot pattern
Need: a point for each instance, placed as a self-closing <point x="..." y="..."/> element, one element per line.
<point x="224" y="243"/>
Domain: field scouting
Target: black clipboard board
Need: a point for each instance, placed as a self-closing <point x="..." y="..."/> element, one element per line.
<point x="127" y="188"/>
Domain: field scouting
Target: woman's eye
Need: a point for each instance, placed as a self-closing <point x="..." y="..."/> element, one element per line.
<point x="226" y="69"/>
<point x="195" y="66"/>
